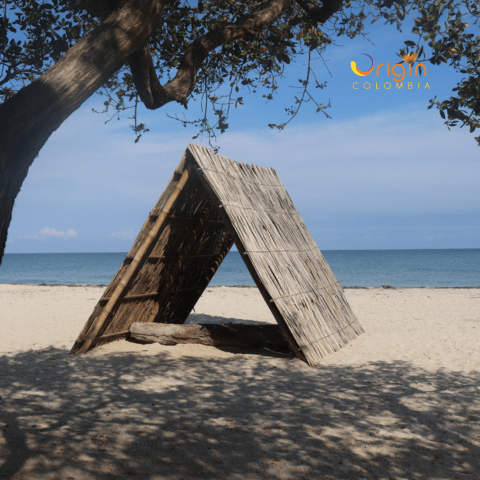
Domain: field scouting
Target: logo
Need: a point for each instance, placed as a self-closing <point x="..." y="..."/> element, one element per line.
<point x="398" y="71"/>
<point x="356" y="71"/>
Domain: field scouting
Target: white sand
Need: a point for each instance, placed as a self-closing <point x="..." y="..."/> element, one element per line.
<point x="400" y="402"/>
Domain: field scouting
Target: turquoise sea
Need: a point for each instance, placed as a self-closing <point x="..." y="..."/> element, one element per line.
<point x="365" y="268"/>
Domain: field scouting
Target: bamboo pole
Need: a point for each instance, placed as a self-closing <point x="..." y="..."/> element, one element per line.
<point x="135" y="264"/>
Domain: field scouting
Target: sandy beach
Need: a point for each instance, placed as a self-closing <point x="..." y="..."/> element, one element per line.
<point x="400" y="402"/>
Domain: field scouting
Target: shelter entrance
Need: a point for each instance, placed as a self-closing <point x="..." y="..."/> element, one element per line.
<point x="209" y="204"/>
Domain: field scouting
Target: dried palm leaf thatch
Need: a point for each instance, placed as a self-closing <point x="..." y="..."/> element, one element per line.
<point x="210" y="203"/>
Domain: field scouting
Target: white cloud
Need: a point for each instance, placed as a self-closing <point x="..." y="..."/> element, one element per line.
<point x="46" y="232"/>
<point x="51" y="232"/>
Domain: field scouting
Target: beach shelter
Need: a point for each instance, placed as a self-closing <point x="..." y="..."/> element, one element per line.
<point x="210" y="203"/>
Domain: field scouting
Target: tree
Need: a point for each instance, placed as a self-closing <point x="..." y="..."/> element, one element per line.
<point x="55" y="55"/>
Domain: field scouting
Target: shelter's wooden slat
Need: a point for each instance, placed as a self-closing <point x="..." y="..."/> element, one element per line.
<point x="115" y="334"/>
<point x="176" y="217"/>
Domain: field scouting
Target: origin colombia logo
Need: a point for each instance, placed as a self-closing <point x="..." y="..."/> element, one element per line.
<point x="397" y="71"/>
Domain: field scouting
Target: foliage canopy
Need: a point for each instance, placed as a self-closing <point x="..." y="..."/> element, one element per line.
<point x="201" y="46"/>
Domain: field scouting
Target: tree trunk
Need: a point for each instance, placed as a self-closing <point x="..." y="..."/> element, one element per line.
<point x="29" y="118"/>
<point x="231" y="335"/>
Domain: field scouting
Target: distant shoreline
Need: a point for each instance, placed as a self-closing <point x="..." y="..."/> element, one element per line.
<point x="352" y="287"/>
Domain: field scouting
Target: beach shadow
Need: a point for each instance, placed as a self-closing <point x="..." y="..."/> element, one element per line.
<point x="137" y="416"/>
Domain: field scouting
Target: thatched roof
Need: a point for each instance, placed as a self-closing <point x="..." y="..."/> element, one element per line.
<point x="210" y="203"/>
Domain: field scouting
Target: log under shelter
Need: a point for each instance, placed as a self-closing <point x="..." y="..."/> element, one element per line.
<point x="210" y="203"/>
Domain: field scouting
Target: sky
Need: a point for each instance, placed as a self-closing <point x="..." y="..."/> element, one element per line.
<point x="383" y="173"/>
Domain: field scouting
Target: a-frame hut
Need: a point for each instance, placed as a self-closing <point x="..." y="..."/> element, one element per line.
<point x="211" y="203"/>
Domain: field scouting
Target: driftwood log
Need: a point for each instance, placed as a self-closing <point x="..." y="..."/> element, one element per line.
<point x="231" y="335"/>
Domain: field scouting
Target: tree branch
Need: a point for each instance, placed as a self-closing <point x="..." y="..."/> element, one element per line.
<point x="320" y="14"/>
<point x="154" y="95"/>
<point x="8" y="76"/>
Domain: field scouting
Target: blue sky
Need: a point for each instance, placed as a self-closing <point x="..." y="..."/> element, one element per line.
<point x="384" y="172"/>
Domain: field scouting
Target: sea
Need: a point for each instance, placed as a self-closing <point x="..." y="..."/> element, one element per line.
<point x="361" y="268"/>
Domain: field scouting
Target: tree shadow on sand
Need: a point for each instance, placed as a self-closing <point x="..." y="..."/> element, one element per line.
<point x="136" y="416"/>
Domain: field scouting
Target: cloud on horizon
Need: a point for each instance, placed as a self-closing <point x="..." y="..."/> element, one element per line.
<point x="47" y="232"/>
<point x="51" y="232"/>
